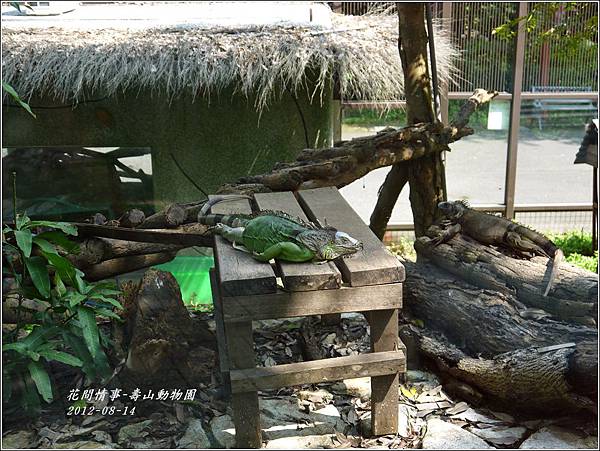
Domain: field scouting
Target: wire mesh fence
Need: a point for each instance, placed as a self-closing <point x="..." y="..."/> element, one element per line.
<point x="486" y="58"/>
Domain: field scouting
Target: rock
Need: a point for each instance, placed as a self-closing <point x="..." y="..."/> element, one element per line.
<point x="19" y="440"/>
<point x="416" y="376"/>
<point x="82" y="444"/>
<point x="443" y="435"/>
<point x="359" y="387"/>
<point x="555" y="437"/>
<point x="282" y="417"/>
<point x="307" y="441"/>
<point x="195" y="436"/>
<point x="404" y="415"/>
<point x="133" y="431"/>
<point x="475" y="417"/>
<point x="500" y="435"/>
<point x="223" y="431"/>
<point x="315" y="396"/>
<point x="329" y="339"/>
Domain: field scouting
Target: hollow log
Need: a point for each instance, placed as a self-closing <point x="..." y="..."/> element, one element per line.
<point x="573" y="297"/>
<point x="481" y="336"/>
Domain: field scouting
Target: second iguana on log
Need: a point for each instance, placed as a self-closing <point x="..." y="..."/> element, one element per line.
<point x="497" y="231"/>
<point x="274" y="234"/>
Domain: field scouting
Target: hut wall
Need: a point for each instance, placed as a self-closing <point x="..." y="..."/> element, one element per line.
<point x="213" y="142"/>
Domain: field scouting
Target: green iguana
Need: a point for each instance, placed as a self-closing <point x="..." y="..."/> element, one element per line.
<point x="489" y="229"/>
<point x="275" y="234"/>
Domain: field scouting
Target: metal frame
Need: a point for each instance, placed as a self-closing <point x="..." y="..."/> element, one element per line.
<point x="500" y="208"/>
<point x="516" y="97"/>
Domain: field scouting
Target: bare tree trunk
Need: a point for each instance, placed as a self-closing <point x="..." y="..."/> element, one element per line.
<point x="426" y="176"/>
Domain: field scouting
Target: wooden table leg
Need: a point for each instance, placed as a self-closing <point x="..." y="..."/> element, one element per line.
<point x="384" y="389"/>
<point x="246" y="414"/>
<point x="220" y="331"/>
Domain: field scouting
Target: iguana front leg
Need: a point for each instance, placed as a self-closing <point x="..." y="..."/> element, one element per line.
<point x="231" y="234"/>
<point x="286" y="251"/>
<point x="446" y="235"/>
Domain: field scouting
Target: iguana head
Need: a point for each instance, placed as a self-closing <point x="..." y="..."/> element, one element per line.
<point x="328" y="243"/>
<point x="453" y="210"/>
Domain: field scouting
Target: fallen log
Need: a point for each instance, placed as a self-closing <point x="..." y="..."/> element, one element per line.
<point x="172" y="216"/>
<point x="96" y="250"/>
<point x="573" y="298"/>
<point x="480" y="336"/>
<point x="123" y="265"/>
<point x="185" y="235"/>
<point x="132" y="218"/>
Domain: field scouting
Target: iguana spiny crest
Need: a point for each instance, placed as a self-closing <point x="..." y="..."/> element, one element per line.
<point x="275" y="234"/>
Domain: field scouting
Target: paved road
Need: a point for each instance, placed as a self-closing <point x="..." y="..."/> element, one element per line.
<point x="475" y="171"/>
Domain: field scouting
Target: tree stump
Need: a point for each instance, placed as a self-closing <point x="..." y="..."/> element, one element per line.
<point x="165" y="349"/>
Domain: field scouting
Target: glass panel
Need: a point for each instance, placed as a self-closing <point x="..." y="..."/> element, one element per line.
<point x="73" y="183"/>
<point x="476" y="166"/>
<point x="362" y="193"/>
<point x="550" y="136"/>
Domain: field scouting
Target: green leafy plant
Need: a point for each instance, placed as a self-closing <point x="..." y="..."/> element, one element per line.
<point x="63" y="328"/>
<point x="11" y="91"/>
<point x="577" y="248"/>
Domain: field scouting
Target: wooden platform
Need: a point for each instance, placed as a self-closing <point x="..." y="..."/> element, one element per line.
<point x="245" y="290"/>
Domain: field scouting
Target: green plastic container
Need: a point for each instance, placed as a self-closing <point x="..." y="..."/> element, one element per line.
<point x="191" y="273"/>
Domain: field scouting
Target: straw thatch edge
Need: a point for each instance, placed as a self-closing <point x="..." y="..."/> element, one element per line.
<point x="360" y="52"/>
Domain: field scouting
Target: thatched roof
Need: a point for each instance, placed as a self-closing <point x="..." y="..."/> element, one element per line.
<point x="68" y="63"/>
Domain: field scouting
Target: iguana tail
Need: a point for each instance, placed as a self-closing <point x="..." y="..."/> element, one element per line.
<point x="217" y="199"/>
<point x="557" y="258"/>
<point x="230" y="220"/>
<point x="548" y="248"/>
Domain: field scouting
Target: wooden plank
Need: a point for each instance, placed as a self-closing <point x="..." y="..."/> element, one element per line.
<point x="246" y="413"/>
<point x="316" y="371"/>
<point x="291" y="304"/>
<point x="374" y="264"/>
<point x="299" y="276"/>
<point x="384" y="389"/>
<point x="239" y="273"/>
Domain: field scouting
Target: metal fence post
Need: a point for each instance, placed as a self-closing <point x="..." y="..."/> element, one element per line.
<point x="446" y="23"/>
<point x="515" y="116"/>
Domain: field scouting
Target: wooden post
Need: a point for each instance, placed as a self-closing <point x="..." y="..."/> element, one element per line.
<point x="220" y="330"/>
<point x="246" y="414"/>
<point x="515" y="116"/>
<point x="384" y="389"/>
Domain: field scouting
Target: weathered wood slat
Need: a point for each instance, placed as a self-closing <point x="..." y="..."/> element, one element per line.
<point x="374" y="264"/>
<point x="316" y="371"/>
<point x="246" y="414"/>
<point x="287" y="305"/>
<point x="239" y="273"/>
<point x="384" y="389"/>
<point x="299" y="276"/>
